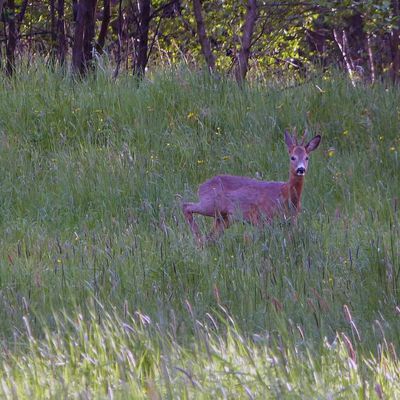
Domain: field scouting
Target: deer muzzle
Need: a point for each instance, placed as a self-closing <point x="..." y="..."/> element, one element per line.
<point x="300" y="171"/>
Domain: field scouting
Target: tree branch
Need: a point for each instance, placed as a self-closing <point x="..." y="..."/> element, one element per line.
<point x="203" y="38"/>
<point x="244" y="53"/>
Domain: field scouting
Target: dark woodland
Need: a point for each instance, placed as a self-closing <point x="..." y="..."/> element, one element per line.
<point x="271" y="38"/>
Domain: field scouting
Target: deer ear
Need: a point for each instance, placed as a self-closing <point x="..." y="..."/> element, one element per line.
<point x="288" y="140"/>
<point x="313" y="143"/>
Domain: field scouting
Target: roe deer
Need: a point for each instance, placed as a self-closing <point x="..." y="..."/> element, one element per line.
<point x="225" y="196"/>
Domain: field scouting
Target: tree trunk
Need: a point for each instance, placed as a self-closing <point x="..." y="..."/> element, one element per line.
<point x="78" y="64"/>
<point x="90" y="27"/>
<point x="104" y="26"/>
<point x="371" y="59"/>
<point x="119" y="44"/>
<point x="342" y="42"/>
<point x="61" y="39"/>
<point x="53" y="33"/>
<point x="84" y="35"/>
<point x="21" y="15"/>
<point x="14" y="22"/>
<point x="395" y="42"/>
<point x="139" y="66"/>
<point x="244" y="52"/>
<point x="203" y="38"/>
<point x="12" y="39"/>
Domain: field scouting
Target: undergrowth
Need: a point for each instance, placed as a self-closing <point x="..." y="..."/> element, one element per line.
<point x="103" y="291"/>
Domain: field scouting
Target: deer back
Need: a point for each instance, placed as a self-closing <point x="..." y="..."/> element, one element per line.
<point x="227" y="194"/>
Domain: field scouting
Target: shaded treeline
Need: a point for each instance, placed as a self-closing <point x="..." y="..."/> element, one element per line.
<point x="274" y="37"/>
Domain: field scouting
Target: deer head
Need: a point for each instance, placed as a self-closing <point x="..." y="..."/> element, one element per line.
<point x="299" y="152"/>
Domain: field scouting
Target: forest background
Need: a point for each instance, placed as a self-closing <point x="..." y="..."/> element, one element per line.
<point x="273" y="38"/>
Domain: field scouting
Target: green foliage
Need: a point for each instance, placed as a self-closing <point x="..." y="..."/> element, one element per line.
<point x="291" y="38"/>
<point x="92" y="175"/>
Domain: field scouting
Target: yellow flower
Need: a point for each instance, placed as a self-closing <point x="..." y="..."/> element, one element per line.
<point x="345" y="132"/>
<point x="225" y="158"/>
<point x="199" y="162"/>
<point x="331" y="152"/>
<point x="191" y="116"/>
<point x="392" y="148"/>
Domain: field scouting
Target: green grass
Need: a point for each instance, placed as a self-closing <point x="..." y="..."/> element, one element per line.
<point x="104" y="293"/>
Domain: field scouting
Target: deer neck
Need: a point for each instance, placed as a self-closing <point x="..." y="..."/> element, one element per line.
<point x="295" y="188"/>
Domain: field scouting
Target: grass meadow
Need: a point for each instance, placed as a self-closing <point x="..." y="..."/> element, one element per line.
<point x="103" y="292"/>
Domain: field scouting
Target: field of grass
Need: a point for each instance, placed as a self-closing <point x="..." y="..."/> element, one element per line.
<point x="103" y="292"/>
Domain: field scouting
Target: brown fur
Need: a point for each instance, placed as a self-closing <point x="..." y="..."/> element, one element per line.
<point x="227" y="197"/>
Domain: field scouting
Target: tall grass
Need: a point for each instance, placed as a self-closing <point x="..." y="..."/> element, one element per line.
<point x="136" y="358"/>
<point x="91" y="178"/>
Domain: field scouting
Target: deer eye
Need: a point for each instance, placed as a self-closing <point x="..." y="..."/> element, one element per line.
<point x="293" y="158"/>
<point x="306" y="158"/>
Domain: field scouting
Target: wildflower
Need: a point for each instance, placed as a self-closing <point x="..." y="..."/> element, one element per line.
<point x="345" y="132"/>
<point x="392" y="148"/>
<point x="191" y="116"/>
<point x="199" y="162"/>
<point x="331" y="152"/>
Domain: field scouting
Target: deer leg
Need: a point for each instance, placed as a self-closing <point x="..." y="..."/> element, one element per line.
<point x="188" y="210"/>
<point x="221" y="222"/>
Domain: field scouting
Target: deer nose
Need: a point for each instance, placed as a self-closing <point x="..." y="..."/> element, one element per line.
<point x="300" y="171"/>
